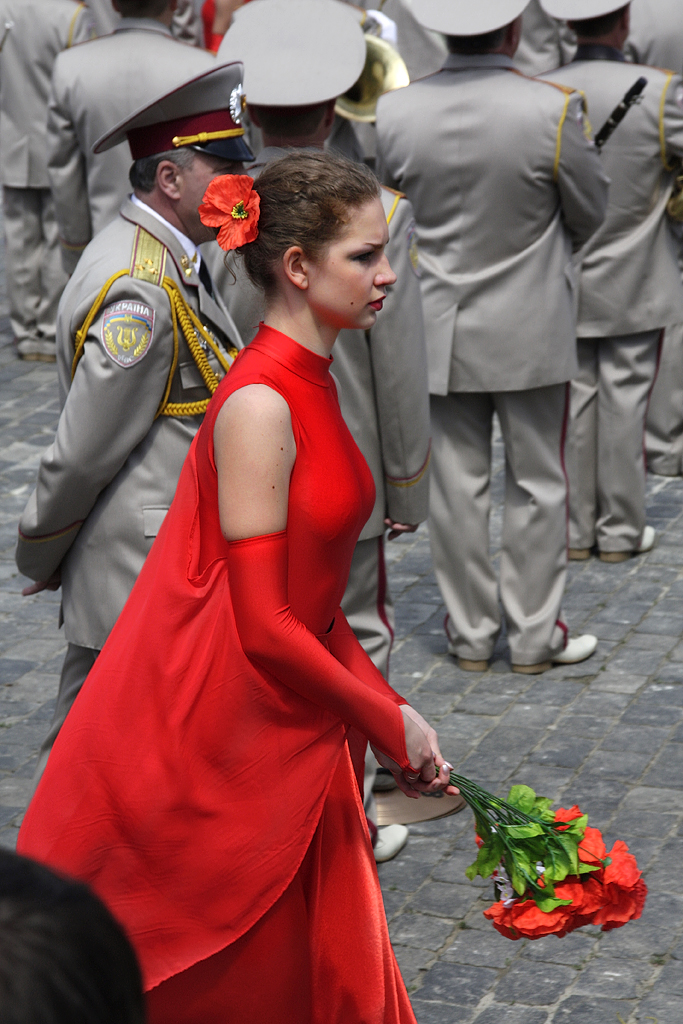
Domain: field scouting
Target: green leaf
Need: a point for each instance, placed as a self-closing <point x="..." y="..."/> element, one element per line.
<point x="522" y="797"/>
<point x="547" y="904"/>
<point x="570" y="846"/>
<point x="519" y="882"/>
<point x="576" y="827"/>
<point x="585" y="868"/>
<point x="489" y="855"/>
<point x="523" y="831"/>
<point x="542" y="803"/>
<point x="472" y="871"/>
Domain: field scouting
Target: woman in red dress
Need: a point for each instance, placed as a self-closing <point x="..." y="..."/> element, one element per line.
<point x="206" y="782"/>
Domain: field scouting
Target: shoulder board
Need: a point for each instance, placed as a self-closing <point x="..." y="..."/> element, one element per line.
<point x="566" y="89"/>
<point x="394" y="191"/>
<point x="148" y="258"/>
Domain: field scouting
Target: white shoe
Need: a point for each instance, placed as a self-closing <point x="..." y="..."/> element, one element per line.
<point x="577" y="649"/>
<point x="390" y="840"/>
<point x="647" y="541"/>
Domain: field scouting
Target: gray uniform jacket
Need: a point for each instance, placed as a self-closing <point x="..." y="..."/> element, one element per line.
<point x="106" y="482"/>
<point x="545" y="43"/>
<point x="40" y="30"/>
<point x="186" y="24"/>
<point x="504" y="183"/>
<point x="382" y="373"/>
<point x="630" y="281"/>
<point x="93" y="88"/>
<point x="656" y="35"/>
<point x="423" y="51"/>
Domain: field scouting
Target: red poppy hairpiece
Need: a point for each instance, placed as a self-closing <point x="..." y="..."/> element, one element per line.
<point x="231" y="204"/>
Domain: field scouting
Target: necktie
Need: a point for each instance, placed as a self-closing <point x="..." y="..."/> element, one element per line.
<point x="205" y="277"/>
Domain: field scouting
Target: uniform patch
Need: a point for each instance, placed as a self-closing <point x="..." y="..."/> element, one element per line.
<point x="413" y="250"/>
<point x="127" y="330"/>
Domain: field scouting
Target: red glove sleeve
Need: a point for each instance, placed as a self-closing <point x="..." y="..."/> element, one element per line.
<point x="343" y="644"/>
<point x="275" y="639"/>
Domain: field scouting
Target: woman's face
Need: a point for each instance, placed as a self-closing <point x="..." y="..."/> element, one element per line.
<point x="347" y="286"/>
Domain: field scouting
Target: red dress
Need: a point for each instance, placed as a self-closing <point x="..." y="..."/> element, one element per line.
<point x="229" y="659"/>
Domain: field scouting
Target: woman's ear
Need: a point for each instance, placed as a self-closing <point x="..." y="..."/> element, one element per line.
<point x="295" y="266"/>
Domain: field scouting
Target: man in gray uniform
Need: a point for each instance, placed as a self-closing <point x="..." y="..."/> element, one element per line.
<point x="656" y="38"/>
<point x="382" y="373"/>
<point x="186" y="24"/>
<point x="32" y="34"/>
<point x="504" y="183"/>
<point x="93" y="87"/>
<point x="630" y="285"/>
<point x="141" y="344"/>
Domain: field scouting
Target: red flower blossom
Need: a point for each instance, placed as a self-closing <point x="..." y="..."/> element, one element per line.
<point x="231" y="204"/>
<point x="624" y="891"/>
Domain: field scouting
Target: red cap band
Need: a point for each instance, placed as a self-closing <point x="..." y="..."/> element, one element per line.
<point x="183" y="131"/>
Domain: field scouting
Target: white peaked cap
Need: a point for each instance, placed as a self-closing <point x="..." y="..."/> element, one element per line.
<point x="467" y="17"/>
<point x="295" y="52"/>
<point x="579" y="10"/>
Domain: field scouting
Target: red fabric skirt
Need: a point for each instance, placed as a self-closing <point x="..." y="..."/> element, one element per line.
<point x="320" y="955"/>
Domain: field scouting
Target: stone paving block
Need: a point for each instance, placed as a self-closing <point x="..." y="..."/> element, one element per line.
<point x="630" y="613"/>
<point x="421" y="931"/>
<point x="453" y="983"/>
<point x="558" y="692"/>
<point x="617" y="682"/>
<point x="534" y="982"/>
<point x="668" y="769"/>
<point x="671" y="978"/>
<point x="451" y="901"/>
<point x="544" y="780"/>
<point x="482" y="949"/>
<point x="531" y="716"/>
<point x="573" y="950"/>
<point x="613" y="978"/>
<point x="452" y="869"/>
<point x="642" y="712"/>
<point x="667" y="625"/>
<point x="607" y="630"/>
<point x="655" y="931"/>
<point x="13" y="668"/>
<point x="635" y="662"/>
<point x="499" y="1013"/>
<point x="593" y="726"/>
<point x="659" y="876"/>
<point x="590" y="1010"/>
<point x="412" y="963"/>
<point x="629" y="823"/>
<point x="441" y="1013"/>
<point x="642" y="738"/>
<point x="565" y="751"/>
<point x="416" y="862"/>
<point x="670" y="672"/>
<point x="660" y="1007"/>
<point x="653" y="642"/>
<point x="615" y="764"/>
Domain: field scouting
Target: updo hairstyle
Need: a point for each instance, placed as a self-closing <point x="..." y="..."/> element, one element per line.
<point x="307" y="199"/>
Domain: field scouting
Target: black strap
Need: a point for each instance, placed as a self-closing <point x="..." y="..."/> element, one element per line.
<point x="205" y="277"/>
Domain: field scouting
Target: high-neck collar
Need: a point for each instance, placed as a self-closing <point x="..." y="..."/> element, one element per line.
<point x="475" y="61"/>
<point x="300" y="360"/>
<point x="597" y="51"/>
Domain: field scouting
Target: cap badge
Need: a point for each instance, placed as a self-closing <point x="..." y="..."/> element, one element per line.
<point x="238" y="102"/>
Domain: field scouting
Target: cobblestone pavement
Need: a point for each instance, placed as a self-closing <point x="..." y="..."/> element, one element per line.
<point x="607" y="734"/>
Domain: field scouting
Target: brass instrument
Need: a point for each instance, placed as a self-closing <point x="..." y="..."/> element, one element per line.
<point x="384" y="70"/>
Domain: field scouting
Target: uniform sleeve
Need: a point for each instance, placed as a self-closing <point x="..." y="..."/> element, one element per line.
<point x="671" y="123"/>
<point x="108" y="411"/>
<point x="581" y="181"/>
<point x="67" y="172"/>
<point x="273" y="638"/>
<point x="399" y="363"/>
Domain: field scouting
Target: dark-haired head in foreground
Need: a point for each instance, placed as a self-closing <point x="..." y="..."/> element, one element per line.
<point x="63" y="957"/>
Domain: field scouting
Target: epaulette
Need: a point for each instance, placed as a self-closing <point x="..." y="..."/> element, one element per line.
<point x="148" y="258"/>
<point x="398" y="196"/>
<point x="394" y="191"/>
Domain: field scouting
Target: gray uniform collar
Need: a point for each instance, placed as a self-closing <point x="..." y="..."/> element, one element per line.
<point x="475" y="61"/>
<point x="146" y="24"/>
<point x="211" y="308"/>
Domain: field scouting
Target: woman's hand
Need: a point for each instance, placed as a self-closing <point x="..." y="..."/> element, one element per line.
<point x="428" y="771"/>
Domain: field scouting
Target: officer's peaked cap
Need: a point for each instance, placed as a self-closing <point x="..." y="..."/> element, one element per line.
<point x="467" y="17"/>
<point x="295" y="52"/>
<point x="580" y="10"/>
<point x="204" y="113"/>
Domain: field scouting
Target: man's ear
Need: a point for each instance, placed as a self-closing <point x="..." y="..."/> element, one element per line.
<point x="166" y="179"/>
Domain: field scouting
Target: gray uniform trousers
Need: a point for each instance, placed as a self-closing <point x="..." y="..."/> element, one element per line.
<point x="605" y="454"/>
<point x="533" y="558"/>
<point x="369" y="610"/>
<point x="664" y="423"/>
<point x="77" y="664"/>
<point x="35" y="278"/>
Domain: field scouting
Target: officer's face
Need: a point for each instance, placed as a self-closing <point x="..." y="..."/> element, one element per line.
<point x="192" y="182"/>
<point x="347" y="286"/>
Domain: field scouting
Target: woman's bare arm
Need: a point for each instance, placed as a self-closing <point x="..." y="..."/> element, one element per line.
<point x="255" y="453"/>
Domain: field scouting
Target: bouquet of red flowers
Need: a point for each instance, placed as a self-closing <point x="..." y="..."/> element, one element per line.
<point x="551" y="869"/>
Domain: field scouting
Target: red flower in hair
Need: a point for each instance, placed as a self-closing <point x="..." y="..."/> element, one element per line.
<point x="231" y="204"/>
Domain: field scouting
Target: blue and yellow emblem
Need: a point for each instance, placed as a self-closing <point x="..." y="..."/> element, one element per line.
<point x="413" y="251"/>
<point x="127" y="330"/>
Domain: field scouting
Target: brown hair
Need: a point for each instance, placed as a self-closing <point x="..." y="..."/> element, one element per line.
<point x="593" y="28"/>
<point x="306" y="199"/>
